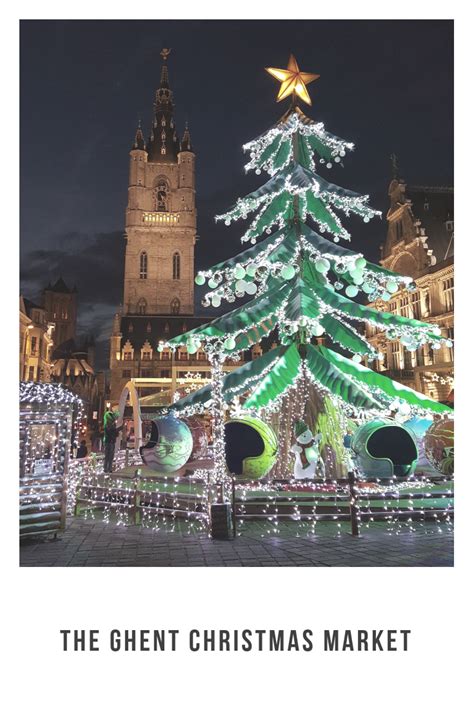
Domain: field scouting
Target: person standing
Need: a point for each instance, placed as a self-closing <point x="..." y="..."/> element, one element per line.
<point x="81" y="452"/>
<point x="111" y="432"/>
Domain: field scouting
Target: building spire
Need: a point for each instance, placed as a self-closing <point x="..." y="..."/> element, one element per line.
<point x="163" y="145"/>
<point x="186" y="140"/>
<point x="139" y="142"/>
<point x="395" y="168"/>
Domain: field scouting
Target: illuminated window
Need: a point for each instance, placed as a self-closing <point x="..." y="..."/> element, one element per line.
<point x="143" y="265"/>
<point x="175" y="306"/>
<point x="128" y="355"/>
<point x="448" y="293"/>
<point x="176" y="265"/>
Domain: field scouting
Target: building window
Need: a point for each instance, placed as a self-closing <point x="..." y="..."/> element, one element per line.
<point x="396" y="356"/>
<point x="426" y="206"/>
<point x="405" y="307"/>
<point x="450" y="225"/>
<point x="448" y="293"/>
<point x="146" y="373"/>
<point x="127" y="374"/>
<point x="165" y="355"/>
<point x="31" y="372"/>
<point x="143" y="265"/>
<point x="416" y="305"/>
<point x="128" y="355"/>
<point x="162" y="192"/>
<point x="146" y="354"/>
<point x="176" y="265"/>
<point x="141" y="307"/>
<point x="175" y="306"/>
<point x="34" y="345"/>
<point x="148" y="327"/>
<point x="165" y="373"/>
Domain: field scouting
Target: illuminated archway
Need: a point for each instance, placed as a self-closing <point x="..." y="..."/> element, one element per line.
<point x="130" y="390"/>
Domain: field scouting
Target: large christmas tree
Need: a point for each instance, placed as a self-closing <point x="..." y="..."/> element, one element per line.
<point x="303" y="286"/>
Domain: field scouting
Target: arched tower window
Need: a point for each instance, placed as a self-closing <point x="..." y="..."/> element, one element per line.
<point x="176" y="265"/>
<point x="161" y="196"/>
<point x="175" y="306"/>
<point x="143" y="265"/>
<point x="141" y="307"/>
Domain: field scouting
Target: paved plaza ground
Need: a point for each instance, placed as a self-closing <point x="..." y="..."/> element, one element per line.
<point x="93" y="543"/>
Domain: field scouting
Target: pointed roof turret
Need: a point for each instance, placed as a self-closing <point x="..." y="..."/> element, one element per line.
<point x="139" y="142"/>
<point x="60" y="287"/>
<point x="163" y="145"/>
<point x="186" y="140"/>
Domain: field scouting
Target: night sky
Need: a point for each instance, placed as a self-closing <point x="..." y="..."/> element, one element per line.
<point x="385" y="85"/>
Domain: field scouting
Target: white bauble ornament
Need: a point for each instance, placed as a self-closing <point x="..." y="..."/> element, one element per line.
<point x="199" y="280"/>
<point x="391" y="286"/>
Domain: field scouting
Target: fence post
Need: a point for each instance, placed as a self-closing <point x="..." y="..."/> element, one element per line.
<point x="353" y="505"/>
<point x="136" y="499"/>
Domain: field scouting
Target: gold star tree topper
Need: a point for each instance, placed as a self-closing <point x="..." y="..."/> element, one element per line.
<point x="293" y="81"/>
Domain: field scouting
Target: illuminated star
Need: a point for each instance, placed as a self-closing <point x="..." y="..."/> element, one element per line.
<point x="293" y="81"/>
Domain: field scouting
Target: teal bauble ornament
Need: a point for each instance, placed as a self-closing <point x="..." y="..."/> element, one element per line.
<point x="170" y="445"/>
<point x="216" y="301"/>
<point x="367" y="288"/>
<point x="230" y="343"/>
<point x="351" y="291"/>
<point x="288" y="272"/>
<point x="357" y="276"/>
<point x="199" y="280"/>
<point x="356" y="358"/>
<point x="191" y="347"/>
<point x="391" y="286"/>
<point x="322" y="265"/>
<point x="385" y="296"/>
<point x="251" y="271"/>
<point x="239" y="272"/>
<point x="212" y="284"/>
<point x="360" y="262"/>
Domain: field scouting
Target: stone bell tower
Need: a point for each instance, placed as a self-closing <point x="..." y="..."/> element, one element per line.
<point x="160" y="221"/>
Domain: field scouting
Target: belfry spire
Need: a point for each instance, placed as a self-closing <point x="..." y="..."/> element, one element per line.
<point x="163" y="145"/>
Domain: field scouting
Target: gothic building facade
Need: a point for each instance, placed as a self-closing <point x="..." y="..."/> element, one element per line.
<point x="420" y="243"/>
<point x="160" y="232"/>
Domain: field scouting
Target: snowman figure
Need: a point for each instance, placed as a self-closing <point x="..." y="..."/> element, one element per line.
<point x="306" y="451"/>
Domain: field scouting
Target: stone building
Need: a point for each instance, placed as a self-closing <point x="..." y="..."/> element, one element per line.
<point x="60" y="305"/>
<point x="49" y="350"/>
<point x="36" y="342"/>
<point x="420" y="243"/>
<point x="160" y="232"/>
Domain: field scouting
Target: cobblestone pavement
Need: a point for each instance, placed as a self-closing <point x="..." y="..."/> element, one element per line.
<point x="93" y="543"/>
